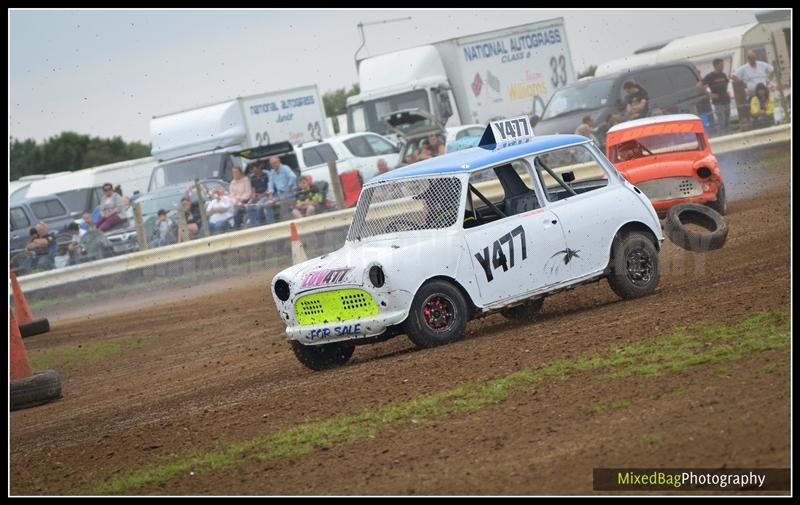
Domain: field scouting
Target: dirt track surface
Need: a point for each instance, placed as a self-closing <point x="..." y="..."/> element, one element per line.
<point x="215" y="370"/>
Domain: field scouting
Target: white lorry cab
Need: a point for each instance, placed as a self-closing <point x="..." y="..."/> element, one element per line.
<point x="492" y="228"/>
<point x="470" y="79"/>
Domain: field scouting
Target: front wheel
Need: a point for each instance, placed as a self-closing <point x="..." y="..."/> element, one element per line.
<point x="438" y="315"/>
<point x="634" y="266"/>
<point x="323" y="356"/>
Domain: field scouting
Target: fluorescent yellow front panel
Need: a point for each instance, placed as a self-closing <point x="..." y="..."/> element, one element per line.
<point x="334" y="306"/>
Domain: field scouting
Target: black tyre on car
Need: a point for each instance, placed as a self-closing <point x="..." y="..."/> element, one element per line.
<point x="39" y="388"/>
<point x="634" y="266"/>
<point x="677" y="228"/>
<point x="528" y="311"/>
<point x="323" y="356"/>
<point x="438" y="315"/>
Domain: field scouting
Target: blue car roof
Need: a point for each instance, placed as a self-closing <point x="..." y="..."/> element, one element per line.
<point x="477" y="158"/>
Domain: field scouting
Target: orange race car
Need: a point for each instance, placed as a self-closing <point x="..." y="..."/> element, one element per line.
<point x="669" y="159"/>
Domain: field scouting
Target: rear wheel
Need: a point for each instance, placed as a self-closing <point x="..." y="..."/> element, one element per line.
<point x="323" y="356"/>
<point x="438" y="315"/>
<point x="634" y="265"/>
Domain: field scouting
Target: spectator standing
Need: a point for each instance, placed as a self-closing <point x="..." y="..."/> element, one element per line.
<point x="259" y="211"/>
<point x="282" y="184"/>
<point x="637" y="100"/>
<point x="306" y="199"/>
<point x="762" y="107"/>
<point x="219" y="211"/>
<point x="240" y="192"/>
<point x="753" y="73"/>
<point x="715" y="85"/>
<point x="113" y="209"/>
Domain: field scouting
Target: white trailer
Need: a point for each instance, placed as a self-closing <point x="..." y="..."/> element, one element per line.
<point x="199" y="142"/>
<point x="494" y="74"/>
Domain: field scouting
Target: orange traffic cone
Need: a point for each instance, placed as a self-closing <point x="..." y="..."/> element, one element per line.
<point x="298" y="251"/>
<point x="20" y="368"/>
<point x="28" y="389"/>
<point x="27" y="325"/>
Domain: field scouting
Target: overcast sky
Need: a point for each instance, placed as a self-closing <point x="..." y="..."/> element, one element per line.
<point x="106" y="73"/>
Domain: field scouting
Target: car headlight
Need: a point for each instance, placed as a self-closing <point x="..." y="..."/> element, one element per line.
<point x="376" y="276"/>
<point x="282" y="290"/>
<point x="704" y="172"/>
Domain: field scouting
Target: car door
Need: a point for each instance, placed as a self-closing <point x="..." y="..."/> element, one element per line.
<point x="511" y="255"/>
<point x="591" y="216"/>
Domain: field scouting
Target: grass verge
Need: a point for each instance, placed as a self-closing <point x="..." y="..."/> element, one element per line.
<point x="701" y="345"/>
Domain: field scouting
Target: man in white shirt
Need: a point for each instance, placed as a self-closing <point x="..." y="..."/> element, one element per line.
<point x="753" y="73"/>
<point x="219" y="211"/>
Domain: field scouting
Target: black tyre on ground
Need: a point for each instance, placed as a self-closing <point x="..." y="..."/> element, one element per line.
<point x="438" y="315"/>
<point x="525" y="312"/>
<point x="634" y="265"/>
<point x="721" y="204"/>
<point x="35" y="327"/>
<point x="323" y="356"/>
<point x="39" y="388"/>
<point x="685" y="214"/>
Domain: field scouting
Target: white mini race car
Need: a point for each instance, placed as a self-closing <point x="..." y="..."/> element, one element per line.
<point x="492" y="228"/>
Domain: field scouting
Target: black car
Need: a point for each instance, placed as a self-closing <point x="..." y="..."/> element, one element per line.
<point x="671" y="87"/>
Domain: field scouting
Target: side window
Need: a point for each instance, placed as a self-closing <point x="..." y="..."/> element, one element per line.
<point x="655" y="82"/>
<point x="327" y="153"/>
<point x="498" y="192"/>
<point x="39" y="210"/>
<point x="575" y="167"/>
<point x="359" y="147"/>
<point x="19" y="220"/>
<point x="682" y="78"/>
<point x="311" y="157"/>
<point x="379" y="146"/>
<point x="54" y="208"/>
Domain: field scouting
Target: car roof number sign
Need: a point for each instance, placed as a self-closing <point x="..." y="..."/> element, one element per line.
<point x="504" y="130"/>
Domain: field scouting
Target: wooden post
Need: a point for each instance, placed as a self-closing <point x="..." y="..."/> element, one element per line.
<point x="202" y="206"/>
<point x="140" y="237"/>
<point x="336" y="184"/>
<point x="183" y="228"/>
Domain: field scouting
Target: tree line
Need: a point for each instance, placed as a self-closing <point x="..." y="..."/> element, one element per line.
<point x="69" y="151"/>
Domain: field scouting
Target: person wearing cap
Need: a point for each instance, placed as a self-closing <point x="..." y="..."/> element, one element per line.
<point x="113" y="209"/>
<point x="164" y="232"/>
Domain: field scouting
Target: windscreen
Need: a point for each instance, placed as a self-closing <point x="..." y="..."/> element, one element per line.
<point x="211" y="166"/>
<point x="579" y="97"/>
<point x="398" y="206"/>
